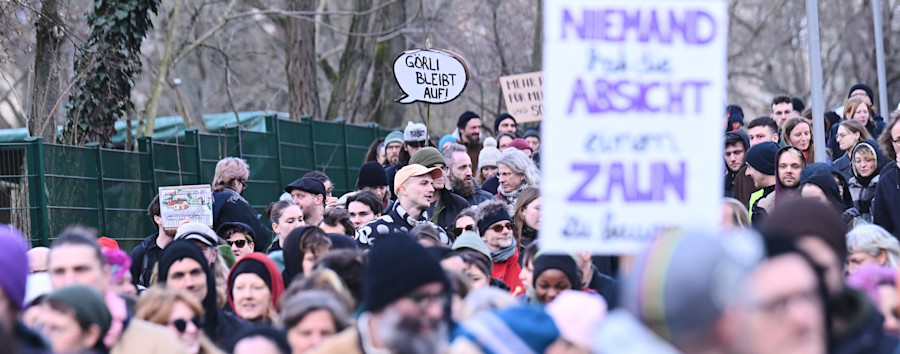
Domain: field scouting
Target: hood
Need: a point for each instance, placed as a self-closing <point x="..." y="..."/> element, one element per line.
<point x="781" y="191"/>
<point x="871" y="144"/>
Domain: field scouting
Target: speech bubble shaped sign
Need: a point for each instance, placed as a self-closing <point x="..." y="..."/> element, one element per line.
<point x="430" y="75"/>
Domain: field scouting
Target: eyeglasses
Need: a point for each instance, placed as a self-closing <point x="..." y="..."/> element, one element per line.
<point x="238" y="243"/>
<point x="415" y="144"/>
<point x="181" y="324"/>
<point x="499" y="228"/>
<point x="243" y="182"/>
<point x="459" y="230"/>
<point x="423" y="300"/>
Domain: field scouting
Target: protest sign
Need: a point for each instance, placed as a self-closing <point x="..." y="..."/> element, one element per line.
<point x="524" y="96"/>
<point x="179" y="203"/>
<point x="632" y="142"/>
<point x="430" y="75"/>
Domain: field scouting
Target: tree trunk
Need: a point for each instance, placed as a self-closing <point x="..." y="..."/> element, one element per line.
<point x="356" y="61"/>
<point x="47" y="88"/>
<point x="537" y="48"/>
<point x="300" y="48"/>
<point x="384" y="88"/>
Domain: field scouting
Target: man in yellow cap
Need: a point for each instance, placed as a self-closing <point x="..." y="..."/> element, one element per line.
<point x="414" y="189"/>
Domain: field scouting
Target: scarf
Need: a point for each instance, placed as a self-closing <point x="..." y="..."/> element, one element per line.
<point x="409" y="219"/>
<point x="501" y="255"/>
<point x="513" y="196"/>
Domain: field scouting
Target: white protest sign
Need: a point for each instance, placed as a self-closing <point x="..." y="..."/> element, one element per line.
<point x="430" y="75"/>
<point x="632" y="139"/>
<point x="185" y="203"/>
<point x="524" y="96"/>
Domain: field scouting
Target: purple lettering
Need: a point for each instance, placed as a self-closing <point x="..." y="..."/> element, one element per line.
<point x="591" y="170"/>
<point x="695" y="27"/>
<point x="630" y="96"/>
<point x="616" y="179"/>
<point x="663" y="178"/>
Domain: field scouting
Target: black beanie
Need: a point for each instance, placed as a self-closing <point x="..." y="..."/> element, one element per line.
<point x="371" y="174"/>
<point x="397" y="265"/>
<point x="465" y="118"/>
<point x="762" y="157"/>
<point x="864" y="87"/>
<point x="274" y="335"/>
<point x="798" y="104"/>
<point x="249" y="266"/>
<point x="735" y="114"/>
<point x="502" y="117"/>
<point x="564" y="263"/>
<point x="498" y="215"/>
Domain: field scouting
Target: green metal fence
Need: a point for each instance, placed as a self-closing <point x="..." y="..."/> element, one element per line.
<point x="45" y="188"/>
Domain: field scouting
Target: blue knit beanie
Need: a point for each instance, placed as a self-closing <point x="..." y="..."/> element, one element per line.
<point x="520" y="329"/>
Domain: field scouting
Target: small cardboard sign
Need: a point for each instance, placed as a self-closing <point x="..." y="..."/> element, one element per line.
<point x="430" y="75"/>
<point x="185" y="203"/>
<point x="524" y="96"/>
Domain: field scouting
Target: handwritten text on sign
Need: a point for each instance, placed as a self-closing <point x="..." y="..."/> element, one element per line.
<point x="632" y="140"/>
<point x="433" y="76"/>
<point x="524" y="96"/>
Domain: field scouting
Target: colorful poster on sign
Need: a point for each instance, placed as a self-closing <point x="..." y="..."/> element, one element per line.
<point x="524" y="96"/>
<point x="430" y="75"/>
<point x="632" y="139"/>
<point x="185" y="203"/>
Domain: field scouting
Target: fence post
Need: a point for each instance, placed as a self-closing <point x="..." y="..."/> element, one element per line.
<point x="276" y="128"/>
<point x="312" y="142"/>
<point x="101" y="206"/>
<point x="40" y="225"/>
<point x="347" y="157"/>
<point x="145" y="144"/>
<point x="192" y="135"/>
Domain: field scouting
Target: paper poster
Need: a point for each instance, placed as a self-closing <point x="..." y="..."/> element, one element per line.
<point x="632" y="139"/>
<point x="180" y="203"/>
<point x="524" y="96"/>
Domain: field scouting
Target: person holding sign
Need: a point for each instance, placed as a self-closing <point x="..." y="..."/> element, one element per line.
<point x="229" y="181"/>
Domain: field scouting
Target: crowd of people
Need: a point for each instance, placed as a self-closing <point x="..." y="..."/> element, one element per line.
<point x="434" y="251"/>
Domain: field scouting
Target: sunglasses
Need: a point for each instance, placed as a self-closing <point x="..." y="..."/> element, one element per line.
<point x="181" y="324"/>
<point x="238" y="243"/>
<point x="499" y="228"/>
<point x="459" y="230"/>
<point x="415" y="144"/>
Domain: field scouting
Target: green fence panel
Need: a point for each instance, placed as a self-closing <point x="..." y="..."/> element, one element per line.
<point x="45" y="188"/>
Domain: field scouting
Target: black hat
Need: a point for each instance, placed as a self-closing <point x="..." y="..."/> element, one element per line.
<point x="498" y="215"/>
<point x="564" y="263"/>
<point x="502" y="117"/>
<point x="532" y="132"/>
<point x="798" y="104"/>
<point x="241" y="227"/>
<point x="864" y="87"/>
<point x="465" y="118"/>
<point x="371" y="174"/>
<point x="308" y="185"/>
<point x="735" y="113"/>
<point x="341" y="241"/>
<point x="274" y="335"/>
<point x="397" y="265"/>
<point x="762" y="157"/>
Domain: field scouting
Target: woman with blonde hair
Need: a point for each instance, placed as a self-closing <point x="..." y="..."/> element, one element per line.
<point x="734" y="215"/>
<point x="229" y="181"/>
<point x="180" y="313"/>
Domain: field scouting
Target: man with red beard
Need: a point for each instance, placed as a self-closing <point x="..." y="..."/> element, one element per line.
<point x="405" y="296"/>
<point x="459" y="173"/>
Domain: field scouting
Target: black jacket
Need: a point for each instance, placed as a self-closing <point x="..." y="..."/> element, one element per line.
<point x="491" y="185"/>
<point x="451" y="205"/>
<point x="27" y="341"/>
<point x="886" y="203"/>
<point x="606" y="285"/>
<point x="143" y="258"/>
<point x="229" y="206"/>
<point x="397" y="220"/>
